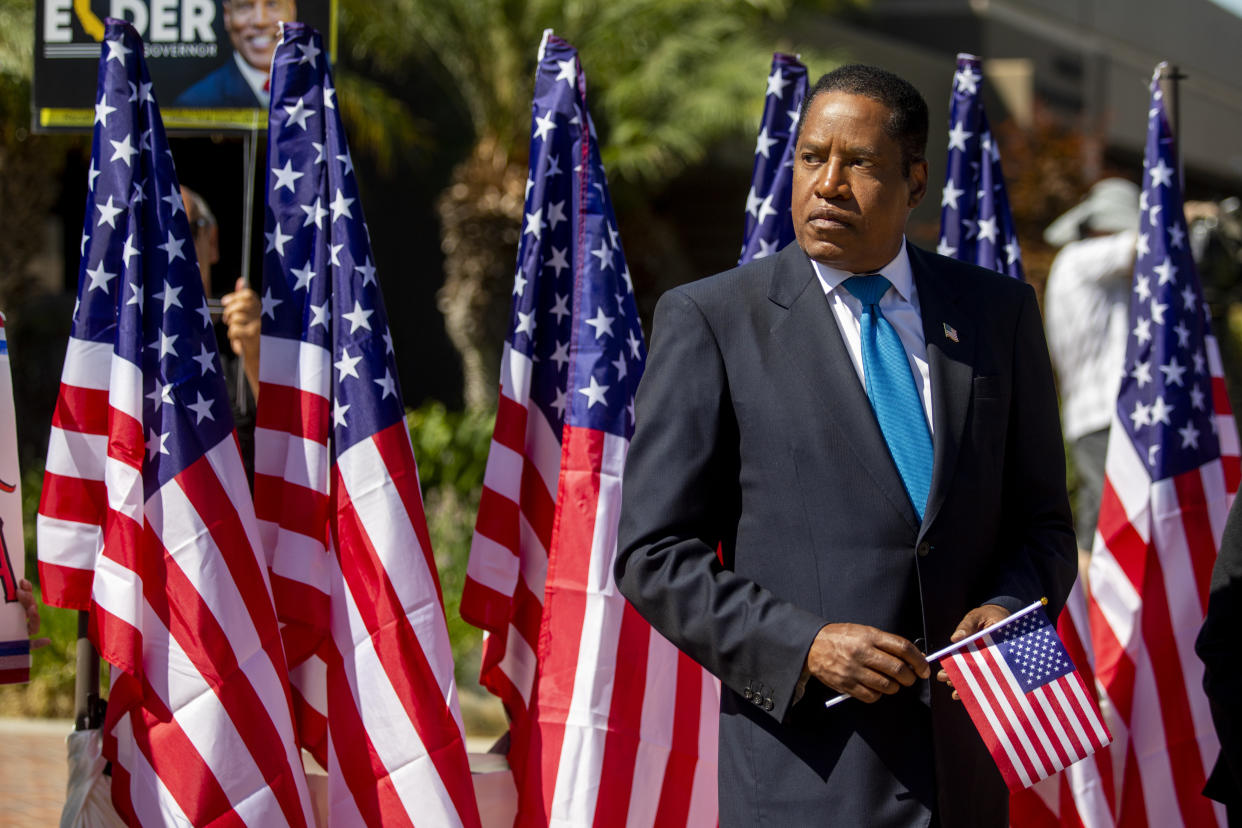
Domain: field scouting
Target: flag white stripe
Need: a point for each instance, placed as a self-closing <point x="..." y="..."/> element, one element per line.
<point x="87" y="364"/>
<point x="493" y="565"/>
<point x="515" y="374"/>
<point x="312" y="363"/>
<point x="300" y="558"/>
<point x="125" y="388"/>
<point x="68" y="543"/>
<point x="125" y="489"/>
<point x="519" y="663"/>
<point x="1147" y="739"/>
<point x="656" y="731"/>
<point x="311" y="679"/>
<point x="1127" y="473"/>
<point x="1096" y="722"/>
<point x="76" y="454"/>
<point x="705" y="795"/>
<point x="1023" y="717"/>
<point x="297" y="459"/>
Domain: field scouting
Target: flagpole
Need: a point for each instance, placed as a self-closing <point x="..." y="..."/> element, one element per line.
<point x="957" y="645"/>
<point x="249" y="153"/>
<point x="87" y="709"/>
<point x="1170" y="77"/>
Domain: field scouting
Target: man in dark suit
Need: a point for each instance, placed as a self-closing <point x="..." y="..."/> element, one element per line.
<point x="880" y="464"/>
<point x="1221" y="651"/>
<point x="242" y="80"/>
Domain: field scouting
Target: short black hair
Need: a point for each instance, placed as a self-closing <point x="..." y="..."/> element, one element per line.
<point x="907" y="122"/>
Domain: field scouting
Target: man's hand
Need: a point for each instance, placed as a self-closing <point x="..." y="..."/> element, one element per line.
<point x="976" y="620"/>
<point x="864" y="662"/>
<point x="242" y="318"/>
<point x="25" y="597"/>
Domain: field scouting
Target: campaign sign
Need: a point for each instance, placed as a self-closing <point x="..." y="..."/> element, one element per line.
<point x="14" y="643"/>
<point x="209" y="59"/>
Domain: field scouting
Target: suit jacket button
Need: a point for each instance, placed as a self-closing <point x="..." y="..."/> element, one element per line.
<point x="923" y="549"/>
<point x="767" y="705"/>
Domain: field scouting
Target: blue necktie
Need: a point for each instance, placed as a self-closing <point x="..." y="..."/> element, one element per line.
<point x="891" y="389"/>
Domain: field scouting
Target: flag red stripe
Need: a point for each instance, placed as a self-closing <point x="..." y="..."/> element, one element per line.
<point x="564" y="604"/>
<point x="498" y="520"/>
<point x="683" y="758"/>
<point x="401" y="652"/>
<point x="1161" y="644"/>
<point x="538" y="507"/>
<point x="510" y="428"/>
<point x="73" y="498"/>
<point x="1133" y="810"/>
<point x="312" y="728"/>
<point x="292" y="410"/>
<point x="296" y="508"/>
<point x="65" y="587"/>
<point x="1196" y="523"/>
<point x="485" y="608"/>
<point x="83" y="410"/>
<point x="616" y="774"/>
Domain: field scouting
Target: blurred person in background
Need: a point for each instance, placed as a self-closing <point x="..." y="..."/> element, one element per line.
<point x="237" y="325"/>
<point x="1086" y="315"/>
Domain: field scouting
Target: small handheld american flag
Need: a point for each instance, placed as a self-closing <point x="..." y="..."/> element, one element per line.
<point x="1028" y="702"/>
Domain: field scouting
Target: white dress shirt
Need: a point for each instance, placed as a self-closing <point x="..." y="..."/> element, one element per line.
<point x="900" y="306"/>
<point x="255" y="78"/>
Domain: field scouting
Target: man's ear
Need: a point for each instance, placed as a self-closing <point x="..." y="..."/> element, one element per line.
<point x="918" y="183"/>
<point x="213" y="244"/>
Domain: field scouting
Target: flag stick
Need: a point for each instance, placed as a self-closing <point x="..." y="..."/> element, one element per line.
<point x="249" y="154"/>
<point x="87" y="709"/>
<point x="957" y="645"/>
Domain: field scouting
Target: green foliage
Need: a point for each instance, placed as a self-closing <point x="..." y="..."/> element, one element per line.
<point x="451" y="450"/>
<point x="667" y="77"/>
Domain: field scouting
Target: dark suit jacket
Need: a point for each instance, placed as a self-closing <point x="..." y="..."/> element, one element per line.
<point x="1221" y="650"/>
<point x="755" y="434"/>
<point x="224" y="87"/>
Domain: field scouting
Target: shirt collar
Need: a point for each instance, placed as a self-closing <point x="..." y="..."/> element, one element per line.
<point x="897" y="271"/>
<point x="256" y="79"/>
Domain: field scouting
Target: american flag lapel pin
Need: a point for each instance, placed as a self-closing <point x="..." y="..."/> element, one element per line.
<point x="950" y="332"/>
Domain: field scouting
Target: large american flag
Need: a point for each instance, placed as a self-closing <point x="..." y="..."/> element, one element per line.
<point x="146" y="519"/>
<point x="14" y="652"/>
<point x="336" y="487"/>
<point x="769" y="226"/>
<point x="975" y="222"/>
<point x="611" y="725"/>
<point x="1028" y="702"/>
<point x="1172" y="471"/>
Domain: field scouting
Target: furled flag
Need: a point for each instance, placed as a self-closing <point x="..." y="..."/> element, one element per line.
<point x="1082" y="795"/>
<point x="1171" y="473"/>
<point x="611" y="725"/>
<point x="1028" y="703"/>
<point x="768" y="223"/>
<point x="146" y="519"/>
<point x="975" y="222"/>
<point x="14" y="643"/>
<point x="336" y="486"/>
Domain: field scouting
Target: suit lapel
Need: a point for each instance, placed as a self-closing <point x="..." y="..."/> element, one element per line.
<point x="808" y="335"/>
<point x="950" y="334"/>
